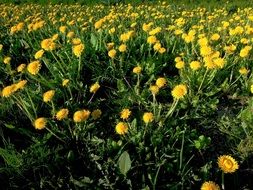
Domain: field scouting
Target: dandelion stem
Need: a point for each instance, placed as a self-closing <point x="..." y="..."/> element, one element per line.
<point x="91" y="98"/>
<point x="222" y="181"/>
<point x="201" y="84"/>
<point x="55" y="135"/>
<point x="173" y="106"/>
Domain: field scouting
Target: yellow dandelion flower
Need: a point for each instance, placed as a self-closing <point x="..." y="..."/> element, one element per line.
<point x="245" y="51"/>
<point x="71" y="34"/>
<point x="62" y="114"/>
<point x="154" y="89"/>
<point x="203" y="41"/>
<point x="112" y="53"/>
<point x="179" y="91"/>
<point x="162" y="50"/>
<point x="96" y="114"/>
<point x="155" y="31"/>
<point x="125" y="113"/>
<point x="219" y="62"/>
<point x="137" y="70"/>
<point x="55" y="37"/>
<point x="110" y="45"/>
<point x="157" y="46"/>
<point x="195" y="65"/>
<point x="1" y="47"/>
<point x="251" y="88"/>
<point x="65" y="82"/>
<point x="227" y="164"/>
<point x="48" y="44"/>
<point x="34" y="67"/>
<point x="209" y="185"/>
<point x="215" y="37"/>
<point x="151" y="40"/>
<point x="122" y="48"/>
<point x="40" y="123"/>
<point x="21" y="67"/>
<point x="178" y="59"/>
<point x="94" y="88"/>
<point x="148" y="117"/>
<point x="161" y="82"/>
<point x="78" y="49"/>
<point x="121" y="128"/>
<point x="81" y="115"/>
<point x="180" y="65"/>
<point x="39" y="54"/>
<point x="76" y="41"/>
<point x="8" y="90"/>
<point x="205" y="51"/>
<point x="7" y="60"/>
<point x="21" y="84"/>
<point x="63" y="29"/>
<point x="243" y="71"/>
<point x="112" y="30"/>
<point x="47" y="96"/>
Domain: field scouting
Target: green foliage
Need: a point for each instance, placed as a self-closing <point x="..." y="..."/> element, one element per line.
<point x="195" y="115"/>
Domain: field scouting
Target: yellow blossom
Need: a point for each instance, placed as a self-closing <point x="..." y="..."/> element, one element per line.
<point x="71" y="34"/>
<point x="48" y="44"/>
<point x="227" y="164"/>
<point x="161" y="82"/>
<point x="21" y="67"/>
<point x="243" y="71"/>
<point x="81" y="115"/>
<point x="179" y="91"/>
<point x="47" y="96"/>
<point x="148" y="117"/>
<point x="94" y="88"/>
<point x="209" y="185"/>
<point x="34" y="67"/>
<point x="110" y="45"/>
<point x="78" y="49"/>
<point x="7" y="60"/>
<point x="8" y="90"/>
<point x="179" y="65"/>
<point x="65" y="82"/>
<point x="39" y="54"/>
<point x="122" y="48"/>
<point x="21" y="84"/>
<point x="215" y="37"/>
<point x="62" y="114"/>
<point x="205" y="50"/>
<point x="40" y="123"/>
<point x="125" y="113"/>
<point x="195" y="65"/>
<point x="112" y="53"/>
<point x="121" y="128"/>
<point x="154" y="89"/>
<point x="62" y="29"/>
<point x="137" y="70"/>
<point x="76" y="41"/>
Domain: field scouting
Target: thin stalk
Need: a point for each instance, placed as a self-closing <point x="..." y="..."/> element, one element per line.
<point x="55" y="135"/>
<point x="200" y="86"/>
<point x="222" y="181"/>
<point x="173" y="106"/>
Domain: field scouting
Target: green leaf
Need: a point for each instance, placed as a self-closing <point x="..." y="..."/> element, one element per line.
<point x="124" y="163"/>
<point x="94" y="41"/>
<point x="9" y="126"/>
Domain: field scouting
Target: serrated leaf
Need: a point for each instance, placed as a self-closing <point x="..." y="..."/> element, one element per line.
<point x="124" y="163"/>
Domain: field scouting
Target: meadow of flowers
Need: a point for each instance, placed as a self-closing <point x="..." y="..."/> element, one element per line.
<point x="148" y="96"/>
